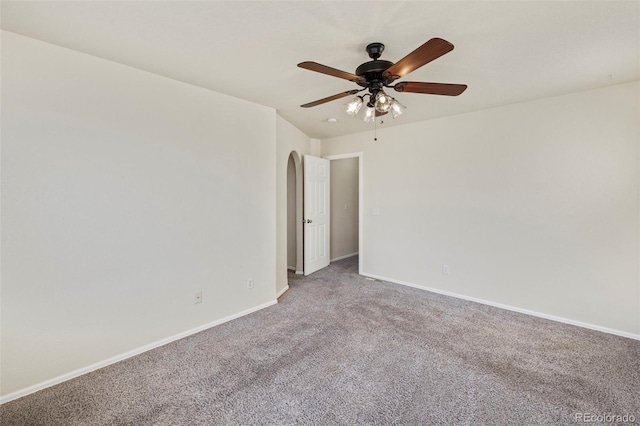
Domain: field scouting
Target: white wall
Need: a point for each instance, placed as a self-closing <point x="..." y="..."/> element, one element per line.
<point x="288" y="139"/>
<point x="533" y="205"/>
<point x="316" y="147"/>
<point x="344" y="193"/>
<point x="123" y="193"/>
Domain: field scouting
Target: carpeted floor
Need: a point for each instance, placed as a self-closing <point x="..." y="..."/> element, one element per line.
<point x="339" y="349"/>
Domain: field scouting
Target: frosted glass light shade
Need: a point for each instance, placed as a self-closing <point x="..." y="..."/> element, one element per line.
<point x="383" y="101"/>
<point x="397" y="108"/>
<point x="354" y="106"/>
<point x="369" y="114"/>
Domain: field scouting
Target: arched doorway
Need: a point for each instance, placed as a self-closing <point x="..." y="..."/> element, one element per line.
<point x="294" y="214"/>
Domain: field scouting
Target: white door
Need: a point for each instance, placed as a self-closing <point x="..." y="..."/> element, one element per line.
<point x="316" y="214"/>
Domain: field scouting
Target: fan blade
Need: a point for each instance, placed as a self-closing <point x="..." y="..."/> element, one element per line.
<point x="424" y="54"/>
<point x="330" y="98"/>
<point x="323" y="69"/>
<point x="430" y="88"/>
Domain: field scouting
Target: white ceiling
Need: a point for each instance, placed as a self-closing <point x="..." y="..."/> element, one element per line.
<point x="506" y="52"/>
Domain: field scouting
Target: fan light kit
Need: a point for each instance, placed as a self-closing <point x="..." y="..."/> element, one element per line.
<point x="382" y="104"/>
<point x="378" y="74"/>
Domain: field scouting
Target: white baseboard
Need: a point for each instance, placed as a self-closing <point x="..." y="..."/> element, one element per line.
<point x="79" y="372"/>
<point x="299" y="272"/>
<point x="510" y="308"/>
<point x="291" y="268"/>
<point x="344" y="257"/>
<point x="281" y="292"/>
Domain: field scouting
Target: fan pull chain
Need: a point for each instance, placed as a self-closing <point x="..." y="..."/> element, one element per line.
<point x="375" y="128"/>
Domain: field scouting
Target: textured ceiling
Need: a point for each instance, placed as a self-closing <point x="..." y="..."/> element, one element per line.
<point x="506" y="52"/>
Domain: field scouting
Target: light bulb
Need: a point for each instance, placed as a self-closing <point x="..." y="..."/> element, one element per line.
<point x="369" y="114"/>
<point x="397" y="108"/>
<point x="354" y="106"/>
<point x="383" y="101"/>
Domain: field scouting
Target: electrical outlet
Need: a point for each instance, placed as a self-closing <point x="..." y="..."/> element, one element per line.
<point x="250" y="283"/>
<point x="445" y="269"/>
<point x="198" y="297"/>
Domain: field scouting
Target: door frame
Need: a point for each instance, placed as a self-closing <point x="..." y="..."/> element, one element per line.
<point x="298" y="195"/>
<point x="360" y="156"/>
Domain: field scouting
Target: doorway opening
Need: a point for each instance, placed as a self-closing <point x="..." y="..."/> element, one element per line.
<point x="294" y="214"/>
<point x="346" y="207"/>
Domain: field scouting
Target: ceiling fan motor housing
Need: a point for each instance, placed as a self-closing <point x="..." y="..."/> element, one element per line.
<point x="373" y="70"/>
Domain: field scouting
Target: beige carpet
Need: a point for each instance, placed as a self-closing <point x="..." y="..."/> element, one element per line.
<point x="339" y="349"/>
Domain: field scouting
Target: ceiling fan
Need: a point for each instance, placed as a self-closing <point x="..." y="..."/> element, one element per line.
<point x="378" y="74"/>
